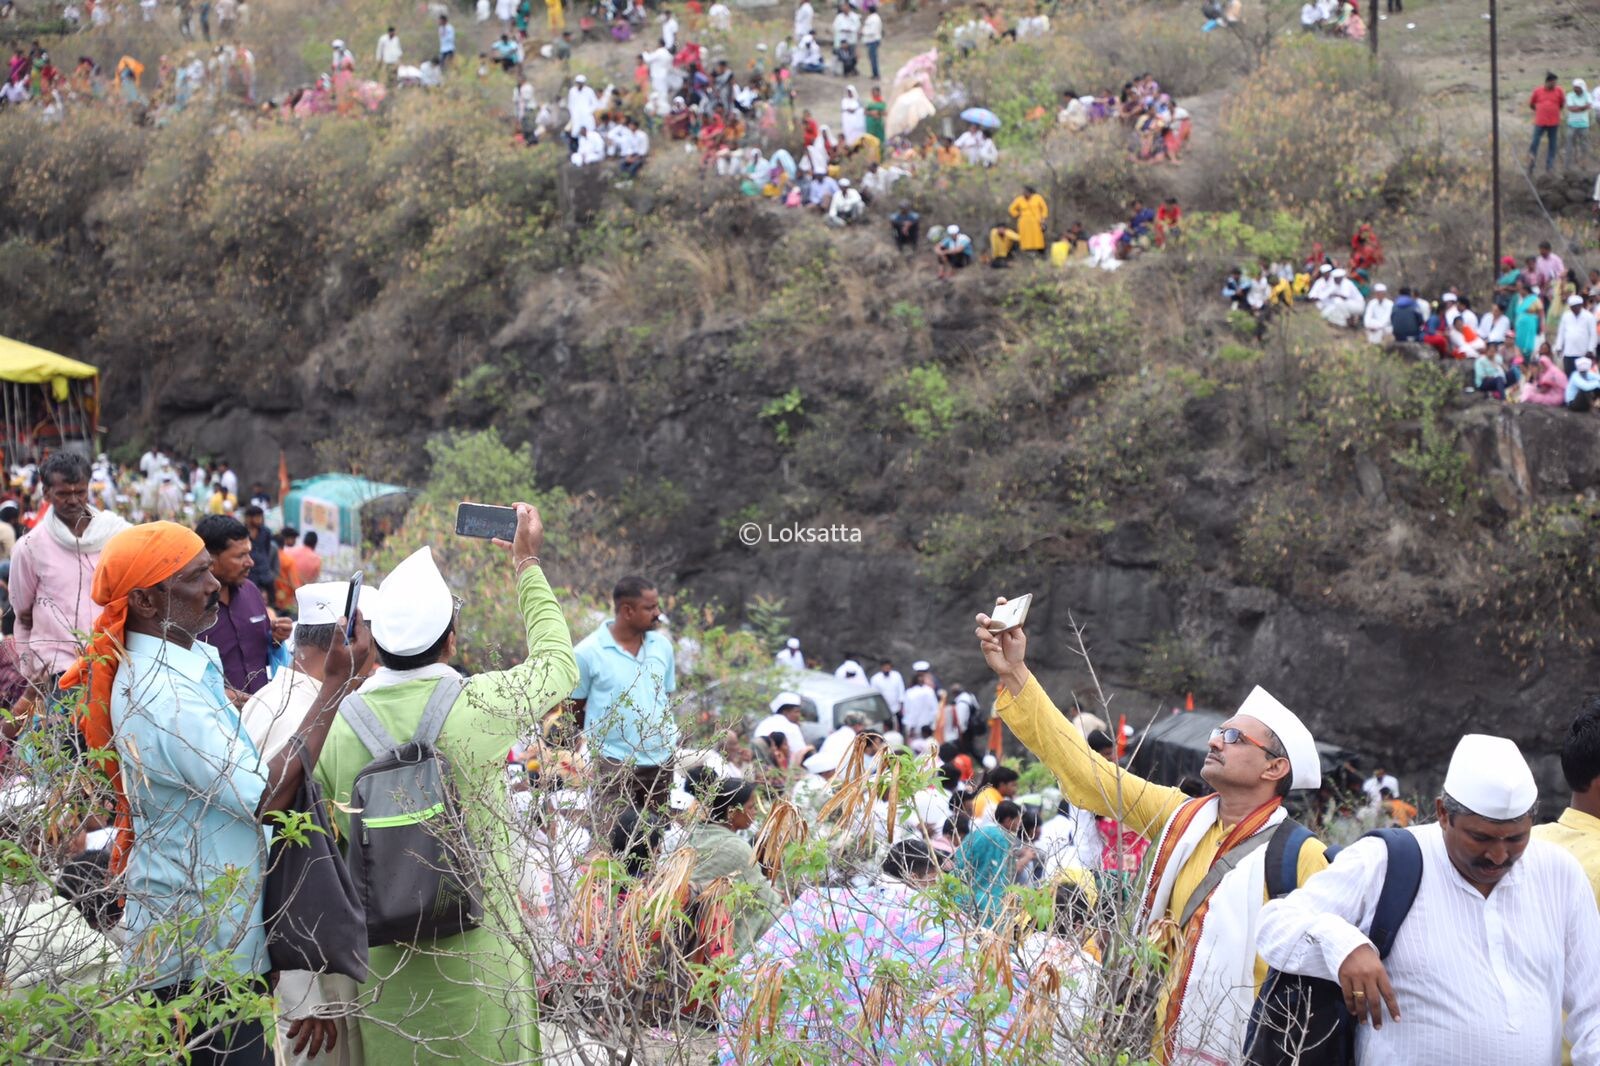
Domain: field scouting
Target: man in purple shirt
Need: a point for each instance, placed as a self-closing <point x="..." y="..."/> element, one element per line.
<point x="246" y="634"/>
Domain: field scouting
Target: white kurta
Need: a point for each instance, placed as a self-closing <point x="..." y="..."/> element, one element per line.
<point x="581" y="105"/>
<point x="1376" y="320"/>
<point x="659" y="63"/>
<point x="274" y="712"/>
<point x="920" y="709"/>
<point x="1343" y="304"/>
<point x="777" y="723"/>
<point x="803" y="16"/>
<point x="1480" y="981"/>
<point x="852" y="120"/>
<point x="817" y="153"/>
<point x="793" y="658"/>
<point x="891" y="686"/>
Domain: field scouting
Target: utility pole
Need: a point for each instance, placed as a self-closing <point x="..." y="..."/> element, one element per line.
<point x="1494" y="125"/>
<point x="1372" y="28"/>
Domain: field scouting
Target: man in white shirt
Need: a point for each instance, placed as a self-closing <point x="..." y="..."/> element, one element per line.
<point x="581" y="105"/>
<point x="389" y="52"/>
<point x="1341" y="304"/>
<point x="971" y="144"/>
<point x="852" y="671"/>
<point x="524" y="105"/>
<point x="890" y="685"/>
<point x="227" y="479"/>
<point x="804" y="16"/>
<point x="1503" y="936"/>
<point x="785" y="718"/>
<point x="669" y="29"/>
<point x="1381" y="779"/>
<point x="1379" y="311"/>
<point x="1319" y="288"/>
<point x="1575" y="336"/>
<point x="791" y="655"/>
<point x="846" y="207"/>
<point x="921" y="706"/>
<point x="591" y="148"/>
<point x="658" y="61"/>
<point x="635" y="148"/>
<point x="271" y="717"/>
<point x="872" y="38"/>
<point x="719" y="17"/>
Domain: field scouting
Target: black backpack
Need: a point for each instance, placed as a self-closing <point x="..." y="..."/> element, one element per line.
<point x="1302" y="1021"/>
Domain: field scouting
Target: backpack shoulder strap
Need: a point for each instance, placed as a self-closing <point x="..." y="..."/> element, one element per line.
<point x="438" y="709"/>
<point x="1223" y="866"/>
<point x="1400" y="883"/>
<point x="1283" y="857"/>
<point x="357" y="713"/>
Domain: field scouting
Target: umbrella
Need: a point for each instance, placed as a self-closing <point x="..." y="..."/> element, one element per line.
<point x="981" y="116"/>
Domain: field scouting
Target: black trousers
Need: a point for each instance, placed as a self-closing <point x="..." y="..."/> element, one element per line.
<point x="245" y="1042"/>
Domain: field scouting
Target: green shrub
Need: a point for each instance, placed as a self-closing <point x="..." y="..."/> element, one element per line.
<point x="929" y="407"/>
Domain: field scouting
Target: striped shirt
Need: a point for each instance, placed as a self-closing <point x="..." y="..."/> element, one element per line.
<point x="1480" y="981"/>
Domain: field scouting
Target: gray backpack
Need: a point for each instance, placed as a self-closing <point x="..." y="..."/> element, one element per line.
<point x="406" y="851"/>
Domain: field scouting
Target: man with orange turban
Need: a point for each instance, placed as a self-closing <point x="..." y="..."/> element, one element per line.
<point x="189" y="843"/>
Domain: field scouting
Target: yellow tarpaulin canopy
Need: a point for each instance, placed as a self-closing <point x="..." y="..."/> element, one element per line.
<point x="35" y="366"/>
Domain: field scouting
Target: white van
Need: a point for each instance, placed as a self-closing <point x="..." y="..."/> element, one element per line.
<point x="824" y="699"/>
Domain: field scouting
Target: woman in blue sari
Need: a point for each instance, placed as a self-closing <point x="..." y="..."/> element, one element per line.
<point x="1528" y="319"/>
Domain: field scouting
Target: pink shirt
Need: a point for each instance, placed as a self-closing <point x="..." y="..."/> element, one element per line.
<point x="55" y="582"/>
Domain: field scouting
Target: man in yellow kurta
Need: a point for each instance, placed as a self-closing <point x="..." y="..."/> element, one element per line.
<point x="1255" y="759"/>
<point x="1578" y="829"/>
<point x="1030" y="211"/>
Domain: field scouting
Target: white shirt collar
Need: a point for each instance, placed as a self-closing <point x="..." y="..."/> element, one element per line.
<point x="383" y="677"/>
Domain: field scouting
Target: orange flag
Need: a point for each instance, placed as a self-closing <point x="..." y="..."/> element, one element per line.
<point x="283" y="479"/>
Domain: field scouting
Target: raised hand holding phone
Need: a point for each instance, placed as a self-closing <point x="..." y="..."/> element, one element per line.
<point x="528" y="540"/>
<point x="1004" y="649"/>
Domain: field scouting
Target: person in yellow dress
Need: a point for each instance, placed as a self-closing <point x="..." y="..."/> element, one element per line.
<point x="1200" y="913"/>
<point x="556" y="16"/>
<point x="1030" y="211"/>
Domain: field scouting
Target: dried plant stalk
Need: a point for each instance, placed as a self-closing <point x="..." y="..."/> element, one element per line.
<point x="766" y="1001"/>
<point x="785" y="825"/>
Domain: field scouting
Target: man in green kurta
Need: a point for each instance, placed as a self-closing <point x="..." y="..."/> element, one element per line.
<point x="467" y="997"/>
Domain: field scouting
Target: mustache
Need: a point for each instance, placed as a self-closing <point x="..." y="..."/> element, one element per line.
<point x="213" y="600"/>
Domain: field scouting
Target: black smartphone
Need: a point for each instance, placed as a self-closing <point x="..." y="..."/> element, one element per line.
<point x="351" y="601"/>
<point x="486" y="520"/>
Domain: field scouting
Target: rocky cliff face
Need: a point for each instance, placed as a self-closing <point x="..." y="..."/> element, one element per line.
<point x="1377" y="639"/>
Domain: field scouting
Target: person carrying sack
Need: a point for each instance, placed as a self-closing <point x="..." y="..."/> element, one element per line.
<point x="454" y="987"/>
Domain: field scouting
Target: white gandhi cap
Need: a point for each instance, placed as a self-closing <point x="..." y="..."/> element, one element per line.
<point x="420" y="607"/>
<point x="1304" y="762"/>
<point x="322" y="603"/>
<point x="1489" y="777"/>
<point x="920" y="665"/>
<point x="782" y="700"/>
<point x="793" y="643"/>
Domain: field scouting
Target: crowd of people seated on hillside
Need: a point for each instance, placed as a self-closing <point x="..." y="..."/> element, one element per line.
<point x="1336" y="18"/>
<point x="1159" y="128"/>
<point x="1505" y="342"/>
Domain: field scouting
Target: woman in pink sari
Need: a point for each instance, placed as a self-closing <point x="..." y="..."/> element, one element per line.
<point x="1548" y="385"/>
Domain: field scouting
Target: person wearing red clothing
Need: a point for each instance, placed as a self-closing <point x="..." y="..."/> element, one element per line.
<point x="1546" y="103"/>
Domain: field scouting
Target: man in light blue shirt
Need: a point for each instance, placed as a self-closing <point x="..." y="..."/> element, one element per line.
<point x="626" y="674"/>
<point x="196" y="791"/>
<point x="447" y="41"/>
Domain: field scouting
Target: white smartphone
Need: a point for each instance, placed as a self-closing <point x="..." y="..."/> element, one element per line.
<point x="1011" y="614"/>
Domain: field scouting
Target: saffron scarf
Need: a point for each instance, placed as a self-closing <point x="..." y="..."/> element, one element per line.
<point x="136" y="558"/>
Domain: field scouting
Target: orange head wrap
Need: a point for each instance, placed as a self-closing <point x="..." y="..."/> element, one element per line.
<point x="136" y="558"/>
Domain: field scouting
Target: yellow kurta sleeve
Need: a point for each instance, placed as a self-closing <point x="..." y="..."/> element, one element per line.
<point x="1087" y="780"/>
